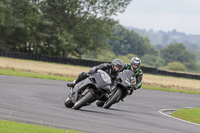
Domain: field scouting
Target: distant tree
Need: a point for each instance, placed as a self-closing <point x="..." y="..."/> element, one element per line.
<point x="106" y="55"/>
<point x="165" y="39"/>
<point x="177" y="52"/>
<point x="126" y="58"/>
<point x="152" y="60"/>
<point x="86" y="24"/>
<point x="128" y="42"/>
<point x="19" y="25"/>
<point x="2" y="19"/>
<point x="158" y="47"/>
<point x="2" y="13"/>
<point x="193" y="47"/>
<point x="58" y="27"/>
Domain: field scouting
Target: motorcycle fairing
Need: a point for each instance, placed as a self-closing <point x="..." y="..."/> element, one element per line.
<point x="79" y="87"/>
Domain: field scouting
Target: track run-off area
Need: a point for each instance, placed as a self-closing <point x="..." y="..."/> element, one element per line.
<point x="40" y="101"/>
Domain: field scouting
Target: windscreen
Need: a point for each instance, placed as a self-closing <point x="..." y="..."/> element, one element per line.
<point x="128" y="74"/>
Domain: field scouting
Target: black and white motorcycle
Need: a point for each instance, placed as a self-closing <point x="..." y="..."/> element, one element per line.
<point x="89" y="90"/>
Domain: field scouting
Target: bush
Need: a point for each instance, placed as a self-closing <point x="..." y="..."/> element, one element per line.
<point x="176" y="66"/>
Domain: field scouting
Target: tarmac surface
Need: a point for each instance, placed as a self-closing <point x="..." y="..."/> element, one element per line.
<point x="40" y="101"/>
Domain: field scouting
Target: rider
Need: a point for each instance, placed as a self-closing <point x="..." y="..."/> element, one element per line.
<point x="135" y="67"/>
<point x="112" y="69"/>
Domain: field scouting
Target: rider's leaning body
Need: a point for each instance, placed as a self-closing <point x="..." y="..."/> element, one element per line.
<point x="135" y="67"/>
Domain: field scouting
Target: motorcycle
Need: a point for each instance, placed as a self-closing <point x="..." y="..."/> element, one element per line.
<point x="122" y="88"/>
<point x="89" y="90"/>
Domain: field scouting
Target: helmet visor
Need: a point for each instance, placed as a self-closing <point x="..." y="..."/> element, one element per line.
<point x="135" y="66"/>
<point x="117" y="68"/>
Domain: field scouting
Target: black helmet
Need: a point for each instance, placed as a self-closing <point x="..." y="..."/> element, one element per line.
<point x="135" y="63"/>
<point x="117" y="65"/>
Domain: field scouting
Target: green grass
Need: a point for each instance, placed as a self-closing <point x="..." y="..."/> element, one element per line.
<point x="33" y="75"/>
<point x="174" y="77"/>
<point x="168" y="89"/>
<point x="16" y="127"/>
<point x="190" y="114"/>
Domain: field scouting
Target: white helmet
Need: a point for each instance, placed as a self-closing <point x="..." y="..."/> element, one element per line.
<point x="135" y="63"/>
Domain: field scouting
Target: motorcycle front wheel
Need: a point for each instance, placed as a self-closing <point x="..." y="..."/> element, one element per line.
<point x="83" y="100"/>
<point x="113" y="99"/>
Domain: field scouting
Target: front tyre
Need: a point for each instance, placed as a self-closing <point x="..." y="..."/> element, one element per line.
<point x="69" y="103"/>
<point x="113" y="99"/>
<point x="83" y="101"/>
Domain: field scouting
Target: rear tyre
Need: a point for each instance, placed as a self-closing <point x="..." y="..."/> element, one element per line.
<point x="69" y="103"/>
<point x="83" y="101"/>
<point x="113" y="99"/>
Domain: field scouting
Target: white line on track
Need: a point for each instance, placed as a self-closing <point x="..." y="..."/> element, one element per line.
<point x="168" y="112"/>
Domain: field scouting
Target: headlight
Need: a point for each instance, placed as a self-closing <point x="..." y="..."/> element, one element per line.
<point x="105" y="78"/>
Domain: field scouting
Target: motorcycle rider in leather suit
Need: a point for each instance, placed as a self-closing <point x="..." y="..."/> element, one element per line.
<point x="135" y="67"/>
<point x="112" y="69"/>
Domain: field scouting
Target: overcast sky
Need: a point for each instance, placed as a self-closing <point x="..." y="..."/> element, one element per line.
<point x="166" y="15"/>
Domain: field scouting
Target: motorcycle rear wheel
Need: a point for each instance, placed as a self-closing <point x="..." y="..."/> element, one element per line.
<point x="69" y="103"/>
<point x="100" y="103"/>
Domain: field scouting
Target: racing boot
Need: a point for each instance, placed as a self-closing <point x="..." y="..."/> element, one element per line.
<point x="71" y="84"/>
<point x="100" y="103"/>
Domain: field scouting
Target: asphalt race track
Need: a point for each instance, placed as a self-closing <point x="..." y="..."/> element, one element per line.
<point x="41" y="102"/>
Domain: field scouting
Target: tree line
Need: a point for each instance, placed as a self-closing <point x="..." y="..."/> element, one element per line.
<point x="126" y="43"/>
<point x="57" y="27"/>
<point x="81" y="29"/>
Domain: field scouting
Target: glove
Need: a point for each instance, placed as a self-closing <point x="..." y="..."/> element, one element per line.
<point x="126" y="65"/>
<point x="92" y="71"/>
<point x="115" y="83"/>
<point x="134" y="87"/>
<point x="117" y="78"/>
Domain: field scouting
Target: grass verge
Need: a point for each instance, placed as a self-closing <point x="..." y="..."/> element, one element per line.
<point x="33" y="75"/>
<point x="17" y="127"/>
<point x="190" y="114"/>
<point x="168" y="89"/>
